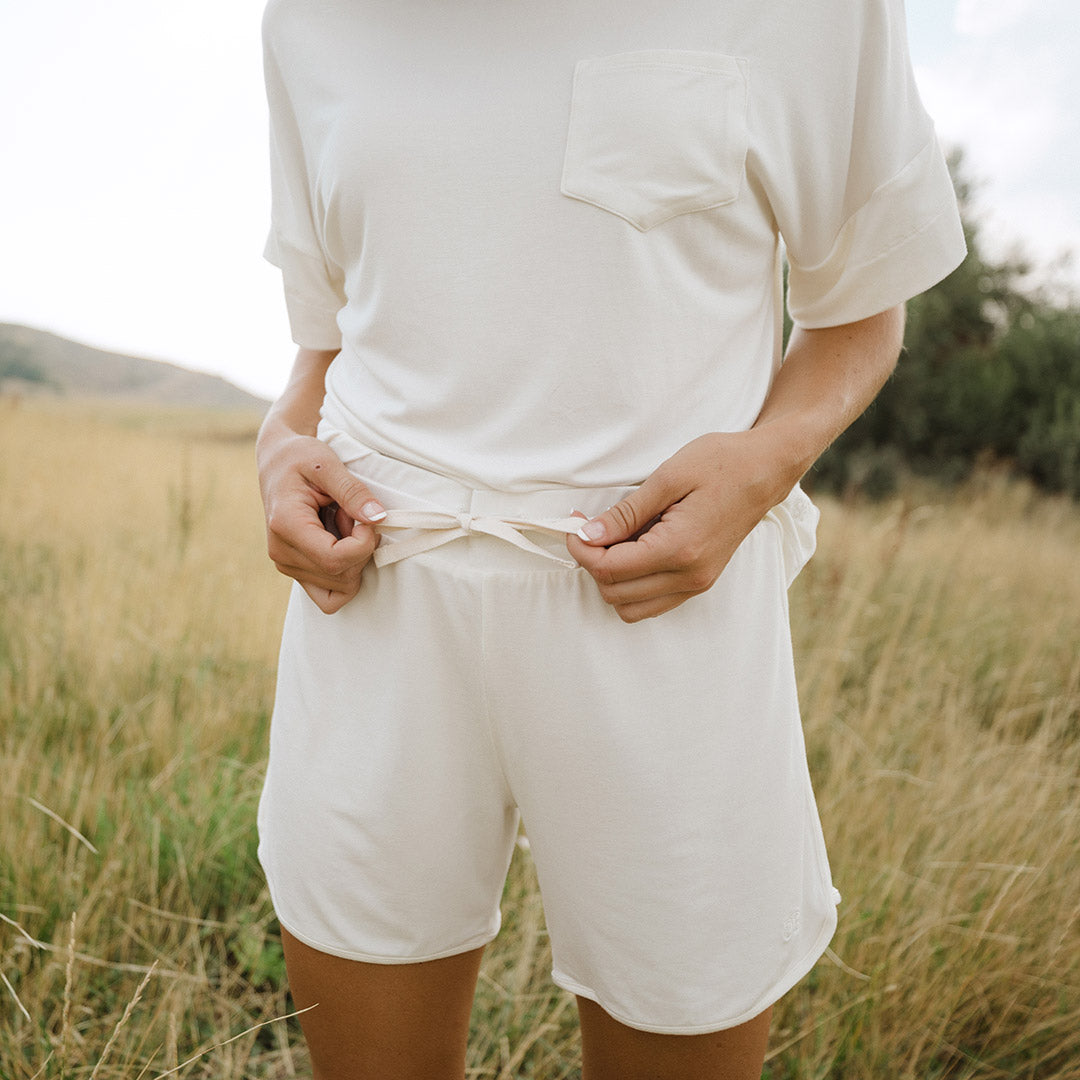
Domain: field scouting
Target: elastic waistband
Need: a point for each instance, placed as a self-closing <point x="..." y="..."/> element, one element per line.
<point x="426" y="509"/>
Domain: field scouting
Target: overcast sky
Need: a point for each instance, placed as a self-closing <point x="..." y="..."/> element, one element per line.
<point x="133" y="191"/>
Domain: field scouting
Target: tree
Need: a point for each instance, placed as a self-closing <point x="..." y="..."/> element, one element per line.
<point x="991" y="368"/>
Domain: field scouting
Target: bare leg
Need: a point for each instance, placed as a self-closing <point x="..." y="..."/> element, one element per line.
<point x="613" y="1051"/>
<point x="383" y="1021"/>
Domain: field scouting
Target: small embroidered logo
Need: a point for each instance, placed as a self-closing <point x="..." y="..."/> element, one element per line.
<point x="791" y="924"/>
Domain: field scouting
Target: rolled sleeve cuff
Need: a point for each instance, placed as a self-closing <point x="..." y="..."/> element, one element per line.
<point x="311" y="300"/>
<point x="904" y="240"/>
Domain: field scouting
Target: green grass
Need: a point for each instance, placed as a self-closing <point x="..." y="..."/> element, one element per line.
<point x="937" y="642"/>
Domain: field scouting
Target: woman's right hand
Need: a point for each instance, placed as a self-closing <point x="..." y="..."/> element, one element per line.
<point x="299" y="477"/>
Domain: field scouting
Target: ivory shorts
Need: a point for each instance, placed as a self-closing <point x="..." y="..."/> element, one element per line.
<point x="659" y="767"/>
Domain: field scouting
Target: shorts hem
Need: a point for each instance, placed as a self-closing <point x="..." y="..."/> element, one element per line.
<point x="476" y="942"/>
<point x="776" y="991"/>
<point x="485" y="937"/>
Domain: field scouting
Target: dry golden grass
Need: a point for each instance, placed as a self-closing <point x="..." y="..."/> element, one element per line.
<point x="938" y="652"/>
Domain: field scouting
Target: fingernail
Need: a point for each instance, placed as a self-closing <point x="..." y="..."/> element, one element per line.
<point x="592" y="530"/>
<point x="372" y="511"/>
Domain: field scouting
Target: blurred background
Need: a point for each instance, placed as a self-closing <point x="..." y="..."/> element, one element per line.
<point x="937" y="630"/>
<point x="133" y="185"/>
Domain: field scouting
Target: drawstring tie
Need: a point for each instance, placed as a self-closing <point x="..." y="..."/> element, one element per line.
<point x="442" y="526"/>
<point x="796" y="516"/>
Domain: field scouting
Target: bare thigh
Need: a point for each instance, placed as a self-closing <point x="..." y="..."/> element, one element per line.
<point x="613" y="1051"/>
<point x="383" y="1021"/>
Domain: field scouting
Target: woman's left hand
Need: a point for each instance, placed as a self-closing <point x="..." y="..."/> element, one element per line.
<point x="670" y="539"/>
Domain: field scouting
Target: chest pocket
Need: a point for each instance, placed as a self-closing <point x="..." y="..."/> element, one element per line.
<point x="657" y="134"/>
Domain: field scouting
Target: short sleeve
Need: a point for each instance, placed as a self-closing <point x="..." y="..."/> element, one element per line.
<point x="862" y="195"/>
<point x="313" y="283"/>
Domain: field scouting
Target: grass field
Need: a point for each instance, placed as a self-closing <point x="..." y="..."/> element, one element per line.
<point x="939" y="651"/>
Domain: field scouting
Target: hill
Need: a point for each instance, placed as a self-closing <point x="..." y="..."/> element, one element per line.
<point x="35" y="361"/>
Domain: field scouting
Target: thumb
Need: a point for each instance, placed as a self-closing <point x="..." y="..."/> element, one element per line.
<point x="630" y="515"/>
<point x="348" y="491"/>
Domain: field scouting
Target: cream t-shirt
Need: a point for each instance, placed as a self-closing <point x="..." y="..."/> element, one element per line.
<point x="547" y="237"/>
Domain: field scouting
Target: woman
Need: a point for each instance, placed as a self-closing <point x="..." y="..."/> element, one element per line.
<point x="535" y="475"/>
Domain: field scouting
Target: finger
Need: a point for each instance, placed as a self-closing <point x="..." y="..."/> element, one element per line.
<point x="326" y="474"/>
<point x="630" y="515"/>
<point x="344" y="522"/>
<point x="299" y="526"/>
<point x="645" y="589"/>
<point x="328" y="601"/>
<point x="320" y="559"/>
<point x="340" y="523"/>
<point x="642" y="589"/>
<point x="656" y="551"/>
<point x="343" y="576"/>
<point x="650" y="609"/>
<point x="315" y="580"/>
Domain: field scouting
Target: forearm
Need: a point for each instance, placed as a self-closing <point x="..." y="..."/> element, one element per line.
<point x="296" y="412"/>
<point x="828" y="379"/>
